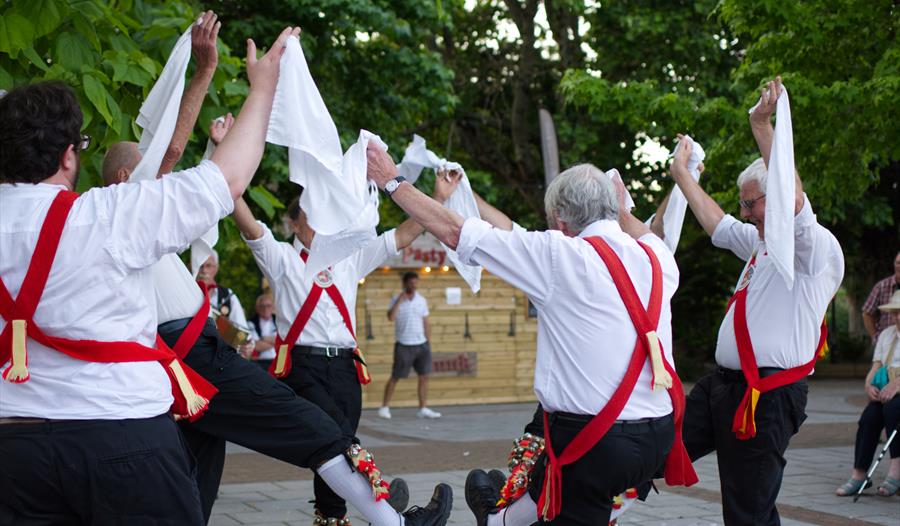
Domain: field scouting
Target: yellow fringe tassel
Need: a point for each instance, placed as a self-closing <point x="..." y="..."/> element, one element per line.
<point x="661" y="377"/>
<point x="195" y="402"/>
<point x="281" y="359"/>
<point x="17" y="372"/>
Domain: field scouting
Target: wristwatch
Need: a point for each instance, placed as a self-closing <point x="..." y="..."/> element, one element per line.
<point x="391" y="186"/>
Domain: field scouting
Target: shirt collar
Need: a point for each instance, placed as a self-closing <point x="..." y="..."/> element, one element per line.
<point x="36" y="188"/>
<point x="603" y="227"/>
<point x="298" y="246"/>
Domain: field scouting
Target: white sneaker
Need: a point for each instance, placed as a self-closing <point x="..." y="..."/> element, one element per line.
<point x="385" y="412"/>
<point x="428" y="413"/>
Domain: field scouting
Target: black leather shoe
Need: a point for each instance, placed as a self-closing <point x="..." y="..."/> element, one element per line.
<point x="481" y="496"/>
<point x="398" y="496"/>
<point x="436" y="512"/>
<point x="498" y="479"/>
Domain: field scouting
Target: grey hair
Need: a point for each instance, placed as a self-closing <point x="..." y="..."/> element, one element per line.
<point x="755" y="172"/>
<point x="214" y="255"/>
<point x="581" y="195"/>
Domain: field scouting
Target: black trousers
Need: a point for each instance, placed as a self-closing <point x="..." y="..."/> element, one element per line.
<point x="750" y="471"/>
<point x="331" y="384"/>
<point x="875" y="417"/>
<point x="626" y="457"/>
<point x="97" y="472"/>
<point x="252" y="409"/>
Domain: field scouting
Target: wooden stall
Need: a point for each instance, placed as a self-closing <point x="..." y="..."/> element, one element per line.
<point x="483" y="344"/>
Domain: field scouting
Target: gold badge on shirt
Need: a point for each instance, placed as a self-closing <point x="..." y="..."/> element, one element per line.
<point x="325" y="278"/>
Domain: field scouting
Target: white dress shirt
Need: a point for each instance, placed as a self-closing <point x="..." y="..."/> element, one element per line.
<point x="409" y="324"/>
<point x="282" y="265"/>
<point x="177" y="293"/>
<point x="784" y="324"/>
<point x="888" y="339"/>
<point x="585" y="336"/>
<point x="266" y="329"/>
<point x="100" y="288"/>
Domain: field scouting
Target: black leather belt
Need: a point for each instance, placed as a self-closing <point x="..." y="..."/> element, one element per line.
<point x="173" y="325"/>
<point x="635" y="425"/>
<point x="733" y="375"/>
<point x="328" y="352"/>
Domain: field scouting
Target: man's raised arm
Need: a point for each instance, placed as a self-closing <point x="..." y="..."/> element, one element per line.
<point x="241" y="150"/>
<point x="203" y="48"/>
<point x="245" y="221"/>
<point x="761" y="126"/>
<point x="704" y="207"/>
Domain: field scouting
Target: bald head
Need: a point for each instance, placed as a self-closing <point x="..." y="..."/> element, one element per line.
<point x="121" y="159"/>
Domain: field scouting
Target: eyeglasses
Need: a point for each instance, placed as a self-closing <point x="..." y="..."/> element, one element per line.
<point x="85" y="142"/>
<point x="748" y="203"/>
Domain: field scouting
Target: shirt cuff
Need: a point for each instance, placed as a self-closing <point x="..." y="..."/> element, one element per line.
<point x="473" y="230"/>
<point x="209" y="174"/>
<point x="805" y="217"/>
<point x="721" y="236"/>
<point x="390" y="243"/>
<point x="261" y="241"/>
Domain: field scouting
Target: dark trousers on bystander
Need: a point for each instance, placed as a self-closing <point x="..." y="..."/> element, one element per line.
<point x="877" y="416"/>
<point x="750" y="471"/>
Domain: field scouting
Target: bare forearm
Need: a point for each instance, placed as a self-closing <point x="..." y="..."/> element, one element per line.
<point x="445" y="224"/>
<point x="633" y="226"/>
<point x="656" y="226"/>
<point x="763" y="133"/>
<point x="392" y="314"/>
<point x="875" y="366"/>
<point x="493" y="216"/>
<point x="246" y="223"/>
<point x="191" y="102"/>
<point x="427" y="329"/>
<point x="239" y="153"/>
<point x="407" y="232"/>
<point x="704" y="207"/>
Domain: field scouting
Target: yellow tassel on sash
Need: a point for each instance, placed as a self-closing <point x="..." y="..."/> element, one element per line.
<point x="661" y="377"/>
<point x="17" y="372"/>
<point x="195" y="403"/>
<point x="749" y="421"/>
<point x="281" y="359"/>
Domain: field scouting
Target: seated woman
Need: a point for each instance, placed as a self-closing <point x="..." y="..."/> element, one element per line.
<point x="883" y="411"/>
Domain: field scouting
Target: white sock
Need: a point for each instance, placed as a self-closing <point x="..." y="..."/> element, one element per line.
<point x="355" y="489"/>
<point x="522" y="512"/>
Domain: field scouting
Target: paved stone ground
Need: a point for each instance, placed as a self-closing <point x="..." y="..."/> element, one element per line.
<point x="263" y="492"/>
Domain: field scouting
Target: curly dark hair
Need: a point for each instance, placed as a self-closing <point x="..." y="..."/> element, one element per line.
<point x="37" y="123"/>
<point x="293" y="208"/>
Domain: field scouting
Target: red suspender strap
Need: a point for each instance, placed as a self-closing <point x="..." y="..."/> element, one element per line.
<point x="744" y="424"/>
<point x="281" y="365"/>
<point x="678" y="467"/>
<point x="191" y="392"/>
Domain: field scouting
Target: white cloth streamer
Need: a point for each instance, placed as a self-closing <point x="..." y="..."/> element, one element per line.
<point x="202" y="248"/>
<point x="159" y="112"/>
<point x="340" y="203"/>
<point x="781" y="188"/>
<point x="614" y="175"/>
<point x="462" y="201"/>
<point x="673" y="218"/>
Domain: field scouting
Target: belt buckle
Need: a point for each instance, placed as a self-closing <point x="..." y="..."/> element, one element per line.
<point x="331" y="352"/>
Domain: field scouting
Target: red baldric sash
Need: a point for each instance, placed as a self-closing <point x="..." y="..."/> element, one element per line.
<point x="281" y="365"/>
<point x="678" y="467"/>
<point x="744" y="424"/>
<point x="191" y="392"/>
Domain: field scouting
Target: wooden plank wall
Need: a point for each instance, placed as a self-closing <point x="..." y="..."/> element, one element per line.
<point x="505" y="362"/>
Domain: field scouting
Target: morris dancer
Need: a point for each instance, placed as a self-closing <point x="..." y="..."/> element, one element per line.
<point x="598" y="405"/>
<point x="317" y="353"/>
<point x="87" y="438"/>
<point x="750" y="407"/>
<point x="251" y="408"/>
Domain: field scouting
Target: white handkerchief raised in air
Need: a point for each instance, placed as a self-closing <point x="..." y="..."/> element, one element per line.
<point x="462" y="201"/>
<point x="159" y="112"/>
<point x="781" y="187"/>
<point x="673" y="218"/>
<point x="340" y="203"/>
<point x="614" y="175"/>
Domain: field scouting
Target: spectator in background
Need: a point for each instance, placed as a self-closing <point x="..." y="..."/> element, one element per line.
<point x="409" y="312"/>
<point x="875" y="320"/>
<point x="262" y="331"/>
<point x="224" y="300"/>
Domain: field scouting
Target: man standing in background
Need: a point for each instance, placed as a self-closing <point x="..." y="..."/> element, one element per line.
<point x="875" y="320"/>
<point x="262" y="331"/>
<point x="409" y="312"/>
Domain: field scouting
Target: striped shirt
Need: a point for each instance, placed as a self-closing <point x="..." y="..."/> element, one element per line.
<point x="881" y="294"/>
<point x="409" y="328"/>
